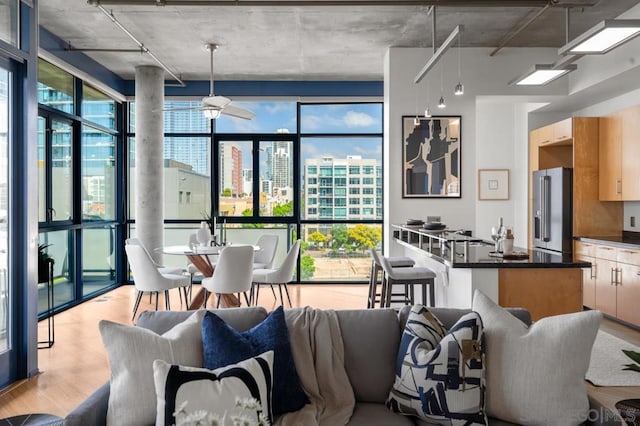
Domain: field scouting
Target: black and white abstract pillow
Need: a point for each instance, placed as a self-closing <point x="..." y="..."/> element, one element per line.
<point x="440" y="374"/>
<point x="215" y="392"/>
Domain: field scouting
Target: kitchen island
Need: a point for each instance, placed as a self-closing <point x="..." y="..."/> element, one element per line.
<point x="544" y="283"/>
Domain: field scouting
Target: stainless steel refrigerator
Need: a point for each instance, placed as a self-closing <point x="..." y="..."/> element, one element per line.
<point x="553" y="209"/>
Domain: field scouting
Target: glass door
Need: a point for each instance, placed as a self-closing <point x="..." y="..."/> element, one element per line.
<point x="7" y="326"/>
<point x="55" y="205"/>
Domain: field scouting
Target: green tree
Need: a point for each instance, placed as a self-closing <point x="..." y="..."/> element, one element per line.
<point x="283" y="209"/>
<point x="226" y="192"/>
<point x="307" y="267"/>
<point x="339" y="236"/>
<point x="317" y="238"/>
<point x="363" y="236"/>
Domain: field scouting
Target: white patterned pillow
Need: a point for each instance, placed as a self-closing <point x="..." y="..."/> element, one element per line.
<point x="439" y="373"/>
<point x="214" y="391"/>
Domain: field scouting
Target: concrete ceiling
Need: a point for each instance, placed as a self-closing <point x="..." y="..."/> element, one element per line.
<point x="300" y="42"/>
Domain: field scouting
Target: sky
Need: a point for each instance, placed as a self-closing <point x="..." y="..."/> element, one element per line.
<point x="316" y="118"/>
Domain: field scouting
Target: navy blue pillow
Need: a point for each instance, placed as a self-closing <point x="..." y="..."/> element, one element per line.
<point x="223" y="345"/>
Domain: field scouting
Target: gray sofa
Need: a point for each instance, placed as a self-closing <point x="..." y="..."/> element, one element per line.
<point x="371" y="339"/>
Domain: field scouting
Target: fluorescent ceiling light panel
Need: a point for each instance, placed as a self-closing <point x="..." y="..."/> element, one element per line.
<point x="542" y="74"/>
<point x="602" y="38"/>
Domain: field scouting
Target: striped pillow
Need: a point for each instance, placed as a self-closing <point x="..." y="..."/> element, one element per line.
<point x="215" y="392"/>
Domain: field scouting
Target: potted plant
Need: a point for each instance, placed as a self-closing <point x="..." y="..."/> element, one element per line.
<point x="43" y="263"/>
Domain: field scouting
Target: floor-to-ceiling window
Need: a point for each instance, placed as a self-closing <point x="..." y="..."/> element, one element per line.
<point x="309" y="171"/>
<point x="341" y="189"/>
<point x="78" y="209"/>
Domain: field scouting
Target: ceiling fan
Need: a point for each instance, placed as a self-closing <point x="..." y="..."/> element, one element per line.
<point x="212" y="105"/>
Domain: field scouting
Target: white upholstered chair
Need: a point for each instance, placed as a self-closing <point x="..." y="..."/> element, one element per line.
<point x="263" y="258"/>
<point x="279" y="276"/>
<point x="147" y="277"/>
<point x="232" y="273"/>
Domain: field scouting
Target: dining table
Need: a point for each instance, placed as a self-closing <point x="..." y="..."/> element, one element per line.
<point x="200" y="257"/>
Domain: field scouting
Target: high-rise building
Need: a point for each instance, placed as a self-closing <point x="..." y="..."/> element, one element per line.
<point x="281" y="165"/>
<point x="231" y="168"/>
<point x="343" y="189"/>
<point x="247" y="181"/>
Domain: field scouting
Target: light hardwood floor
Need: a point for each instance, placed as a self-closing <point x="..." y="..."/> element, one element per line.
<point x="77" y="364"/>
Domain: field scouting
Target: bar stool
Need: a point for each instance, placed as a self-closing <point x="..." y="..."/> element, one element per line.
<point x="407" y="276"/>
<point x="396" y="262"/>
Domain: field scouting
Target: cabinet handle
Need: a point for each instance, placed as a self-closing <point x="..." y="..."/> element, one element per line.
<point x="562" y="137"/>
<point x="628" y="251"/>
<point x="612" y="279"/>
<point x="618" y="186"/>
<point x="606" y="248"/>
<point x="618" y="280"/>
<point x="594" y="271"/>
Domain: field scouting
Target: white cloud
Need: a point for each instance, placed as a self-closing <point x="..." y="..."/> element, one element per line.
<point x="311" y="122"/>
<point x="358" y="119"/>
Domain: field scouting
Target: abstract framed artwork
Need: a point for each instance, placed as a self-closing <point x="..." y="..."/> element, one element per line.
<point x="493" y="184"/>
<point x="431" y="157"/>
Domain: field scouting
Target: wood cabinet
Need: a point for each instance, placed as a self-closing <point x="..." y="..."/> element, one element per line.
<point x="591" y="216"/>
<point x="585" y="253"/>
<point x="615" y="279"/>
<point x="610" y="157"/>
<point x="619" y="150"/>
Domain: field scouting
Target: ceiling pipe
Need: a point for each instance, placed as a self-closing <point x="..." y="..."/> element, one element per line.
<point x="520" y="28"/>
<point x="142" y="47"/>
<point x="449" y="3"/>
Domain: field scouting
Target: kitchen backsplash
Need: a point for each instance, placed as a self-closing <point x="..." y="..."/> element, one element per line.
<point x="632" y="210"/>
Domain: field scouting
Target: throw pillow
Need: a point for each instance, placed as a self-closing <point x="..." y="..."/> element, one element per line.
<point x="536" y="375"/>
<point x="216" y="392"/>
<point x="439" y="373"/>
<point x="223" y="345"/>
<point x="132" y="351"/>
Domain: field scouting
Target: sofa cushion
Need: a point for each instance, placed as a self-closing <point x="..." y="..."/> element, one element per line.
<point x="439" y="372"/>
<point x="239" y="318"/>
<point x="371" y="338"/>
<point x="536" y="375"/>
<point x="132" y="351"/>
<point x="373" y="414"/>
<point x="183" y="391"/>
<point x="223" y="345"/>
<point x="449" y="316"/>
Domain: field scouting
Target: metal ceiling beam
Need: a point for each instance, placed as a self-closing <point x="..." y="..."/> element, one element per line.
<point x="438" y="54"/>
<point x="519" y="27"/>
<point x="448" y="3"/>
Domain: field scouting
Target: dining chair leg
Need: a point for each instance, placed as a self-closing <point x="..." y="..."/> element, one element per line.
<point x="156" y="300"/>
<point x="206" y="297"/>
<point x="167" y="302"/>
<point x="136" y="305"/>
<point x="273" y="291"/>
<point x="432" y="293"/>
<point x="218" y="302"/>
<point x="180" y="294"/>
<point x="286" y="289"/>
<point x="281" y="298"/>
<point x="186" y="300"/>
<point x="246" y="299"/>
<point x="257" y="293"/>
<point x="150" y="296"/>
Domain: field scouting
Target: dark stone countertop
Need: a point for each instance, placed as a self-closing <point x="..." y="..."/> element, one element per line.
<point x="626" y="240"/>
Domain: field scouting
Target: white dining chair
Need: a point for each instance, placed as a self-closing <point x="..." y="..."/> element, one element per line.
<point x="174" y="270"/>
<point x="263" y="258"/>
<point x="232" y="273"/>
<point x="278" y="276"/>
<point x="147" y="278"/>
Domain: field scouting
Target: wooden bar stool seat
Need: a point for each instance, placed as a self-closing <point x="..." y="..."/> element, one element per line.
<point x="376" y="268"/>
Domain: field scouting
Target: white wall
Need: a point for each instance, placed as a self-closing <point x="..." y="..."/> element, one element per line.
<point x="499" y="142"/>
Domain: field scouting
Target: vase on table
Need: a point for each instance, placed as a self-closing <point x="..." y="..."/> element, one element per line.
<point x="203" y="235"/>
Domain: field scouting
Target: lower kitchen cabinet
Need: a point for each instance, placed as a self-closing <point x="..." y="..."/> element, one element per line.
<point x="588" y="282"/>
<point x="628" y="293"/>
<point x="606" y="294"/>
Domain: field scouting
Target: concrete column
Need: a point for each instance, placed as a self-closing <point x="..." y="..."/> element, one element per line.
<point x="149" y="159"/>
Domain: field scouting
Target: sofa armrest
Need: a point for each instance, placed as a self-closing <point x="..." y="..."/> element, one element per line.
<point x="92" y="411"/>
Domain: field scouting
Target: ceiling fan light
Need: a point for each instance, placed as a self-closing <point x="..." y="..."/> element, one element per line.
<point x="441" y="103"/>
<point x="459" y="90"/>
<point x="211" y="113"/>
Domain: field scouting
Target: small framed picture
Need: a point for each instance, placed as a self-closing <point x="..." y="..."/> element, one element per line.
<point x="493" y="184"/>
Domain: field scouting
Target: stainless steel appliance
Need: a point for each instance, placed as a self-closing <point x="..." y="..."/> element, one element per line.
<point x="553" y="209"/>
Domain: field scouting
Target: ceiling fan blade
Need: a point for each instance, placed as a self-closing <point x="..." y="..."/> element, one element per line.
<point x="178" y="109"/>
<point x="216" y="101"/>
<point x="238" y="112"/>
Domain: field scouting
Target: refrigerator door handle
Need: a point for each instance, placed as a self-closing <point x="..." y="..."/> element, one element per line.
<point x="545" y="195"/>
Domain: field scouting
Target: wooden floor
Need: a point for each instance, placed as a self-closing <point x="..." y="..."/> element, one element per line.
<point x="77" y="364"/>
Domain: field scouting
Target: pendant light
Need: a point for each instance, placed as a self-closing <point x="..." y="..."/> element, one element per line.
<point x="459" y="90"/>
<point x="427" y="110"/>
<point x="441" y="103"/>
<point x="416" y="120"/>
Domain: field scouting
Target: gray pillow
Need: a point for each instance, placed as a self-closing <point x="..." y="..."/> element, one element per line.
<point x="536" y="375"/>
<point x="132" y="350"/>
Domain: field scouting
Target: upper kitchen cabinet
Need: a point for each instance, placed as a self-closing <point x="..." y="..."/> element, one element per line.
<point x="619" y="151"/>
